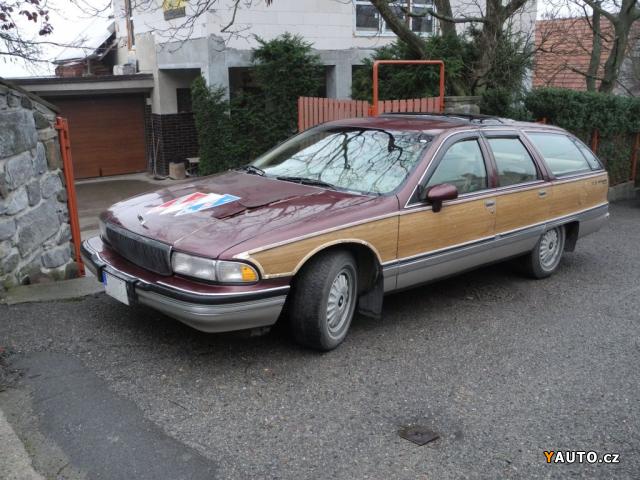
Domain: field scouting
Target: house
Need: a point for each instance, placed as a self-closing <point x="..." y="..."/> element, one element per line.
<point x="108" y="114"/>
<point x="128" y="96"/>
<point x="563" y="53"/>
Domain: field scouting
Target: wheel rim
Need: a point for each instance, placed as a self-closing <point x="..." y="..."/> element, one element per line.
<point x="339" y="304"/>
<point x="550" y="249"/>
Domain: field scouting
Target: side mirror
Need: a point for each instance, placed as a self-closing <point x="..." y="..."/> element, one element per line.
<point x="439" y="193"/>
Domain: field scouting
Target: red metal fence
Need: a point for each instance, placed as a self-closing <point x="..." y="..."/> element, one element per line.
<point x="313" y="111"/>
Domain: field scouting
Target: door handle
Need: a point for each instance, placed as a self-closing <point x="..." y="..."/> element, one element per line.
<point x="542" y="193"/>
<point x="489" y="203"/>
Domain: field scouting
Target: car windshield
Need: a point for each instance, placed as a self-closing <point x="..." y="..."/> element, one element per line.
<point x="363" y="160"/>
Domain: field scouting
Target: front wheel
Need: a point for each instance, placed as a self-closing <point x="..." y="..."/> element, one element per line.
<point x="323" y="300"/>
<point x="545" y="257"/>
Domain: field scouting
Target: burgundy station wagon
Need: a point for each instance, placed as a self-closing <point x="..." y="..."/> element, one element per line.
<point x="329" y="221"/>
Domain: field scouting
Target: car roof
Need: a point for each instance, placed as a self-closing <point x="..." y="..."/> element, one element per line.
<point x="436" y="124"/>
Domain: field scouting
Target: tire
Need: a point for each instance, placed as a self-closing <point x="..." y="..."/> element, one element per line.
<point x="545" y="257"/>
<point x="323" y="300"/>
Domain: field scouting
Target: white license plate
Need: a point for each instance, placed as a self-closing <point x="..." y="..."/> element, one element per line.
<point x="116" y="288"/>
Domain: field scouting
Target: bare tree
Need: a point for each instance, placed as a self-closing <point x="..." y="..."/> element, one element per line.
<point x="14" y="42"/>
<point x="602" y="30"/>
<point x="492" y="18"/>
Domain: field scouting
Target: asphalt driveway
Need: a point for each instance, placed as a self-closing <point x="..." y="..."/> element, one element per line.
<point x="500" y="366"/>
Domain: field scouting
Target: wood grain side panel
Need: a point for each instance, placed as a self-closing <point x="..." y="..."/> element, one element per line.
<point x="569" y="197"/>
<point x="522" y="208"/>
<point x="381" y="235"/>
<point x="457" y="223"/>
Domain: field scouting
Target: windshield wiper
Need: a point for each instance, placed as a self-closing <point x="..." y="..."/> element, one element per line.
<point x="308" y="181"/>
<point x="252" y="169"/>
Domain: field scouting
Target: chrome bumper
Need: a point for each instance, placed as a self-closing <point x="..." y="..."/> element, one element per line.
<point x="205" y="312"/>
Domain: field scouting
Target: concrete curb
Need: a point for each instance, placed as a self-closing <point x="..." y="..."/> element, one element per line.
<point x="52" y="291"/>
<point x="15" y="463"/>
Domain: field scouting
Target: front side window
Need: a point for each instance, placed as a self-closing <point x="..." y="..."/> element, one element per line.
<point x="463" y="166"/>
<point x="513" y="161"/>
<point x="370" y="161"/>
<point x="561" y="155"/>
<point x="368" y="20"/>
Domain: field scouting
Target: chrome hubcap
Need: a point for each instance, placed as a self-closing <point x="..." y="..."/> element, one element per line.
<point x="550" y="249"/>
<point x="340" y="300"/>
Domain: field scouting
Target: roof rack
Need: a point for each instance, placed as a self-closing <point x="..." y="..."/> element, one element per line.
<point x="483" y="119"/>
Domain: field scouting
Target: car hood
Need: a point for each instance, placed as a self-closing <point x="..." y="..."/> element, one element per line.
<point x="212" y="214"/>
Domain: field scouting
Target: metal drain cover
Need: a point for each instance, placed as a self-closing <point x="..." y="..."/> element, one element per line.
<point x="418" y="434"/>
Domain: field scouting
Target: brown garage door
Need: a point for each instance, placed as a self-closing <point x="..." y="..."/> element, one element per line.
<point x="107" y="134"/>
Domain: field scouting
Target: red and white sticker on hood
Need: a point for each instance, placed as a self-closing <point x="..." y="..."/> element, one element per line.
<point x="192" y="203"/>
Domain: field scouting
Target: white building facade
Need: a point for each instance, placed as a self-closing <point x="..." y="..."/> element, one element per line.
<point x="166" y="39"/>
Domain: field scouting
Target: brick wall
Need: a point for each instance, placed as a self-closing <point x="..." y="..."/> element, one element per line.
<point x="175" y="139"/>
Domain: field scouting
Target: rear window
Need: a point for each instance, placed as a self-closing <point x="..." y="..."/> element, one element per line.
<point x="561" y="155"/>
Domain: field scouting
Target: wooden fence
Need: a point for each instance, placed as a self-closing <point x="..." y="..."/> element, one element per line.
<point x="313" y="111"/>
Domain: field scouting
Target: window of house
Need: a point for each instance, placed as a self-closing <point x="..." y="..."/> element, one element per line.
<point x="561" y="155"/>
<point x="183" y="97"/>
<point x="369" y="21"/>
<point x="463" y="166"/>
<point x="514" y="163"/>
<point x="173" y="9"/>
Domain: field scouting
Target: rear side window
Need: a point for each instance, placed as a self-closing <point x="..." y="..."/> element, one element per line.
<point x="514" y="163"/>
<point x="561" y="155"/>
<point x="594" y="163"/>
<point x="463" y="166"/>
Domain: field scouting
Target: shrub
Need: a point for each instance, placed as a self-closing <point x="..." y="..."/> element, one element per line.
<point x="214" y="127"/>
<point x="233" y="133"/>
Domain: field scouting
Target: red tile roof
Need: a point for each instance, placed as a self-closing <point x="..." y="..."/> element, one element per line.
<point x="564" y="49"/>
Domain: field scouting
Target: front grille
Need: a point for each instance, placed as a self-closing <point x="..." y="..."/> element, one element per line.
<point x="144" y="252"/>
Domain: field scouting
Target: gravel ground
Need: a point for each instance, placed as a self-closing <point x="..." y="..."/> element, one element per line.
<point x="500" y="366"/>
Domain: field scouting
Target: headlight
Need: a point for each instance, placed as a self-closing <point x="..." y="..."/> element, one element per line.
<point x="212" y="270"/>
<point x="190" y="266"/>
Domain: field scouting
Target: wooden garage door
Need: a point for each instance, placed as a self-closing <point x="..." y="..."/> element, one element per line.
<point x="107" y="134"/>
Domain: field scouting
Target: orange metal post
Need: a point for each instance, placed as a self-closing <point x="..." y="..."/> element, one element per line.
<point x="72" y="202"/>
<point x="377" y="63"/>
<point x="595" y="139"/>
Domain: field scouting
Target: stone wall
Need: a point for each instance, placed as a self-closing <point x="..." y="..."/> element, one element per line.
<point x="34" y="221"/>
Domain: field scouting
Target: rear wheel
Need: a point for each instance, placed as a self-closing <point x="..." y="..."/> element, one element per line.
<point x="323" y="300"/>
<point x="545" y="257"/>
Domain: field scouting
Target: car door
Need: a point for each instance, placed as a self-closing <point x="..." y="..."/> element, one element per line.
<point x="435" y="244"/>
<point x="523" y="195"/>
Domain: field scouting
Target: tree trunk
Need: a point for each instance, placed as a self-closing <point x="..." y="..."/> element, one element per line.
<point x="443" y="7"/>
<point x="401" y="29"/>
<point x="616" y="56"/>
<point x="596" y="45"/>
<point x="621" y="27"/>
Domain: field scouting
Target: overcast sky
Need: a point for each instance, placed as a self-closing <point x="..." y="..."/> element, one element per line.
<point x="72" y="24"/>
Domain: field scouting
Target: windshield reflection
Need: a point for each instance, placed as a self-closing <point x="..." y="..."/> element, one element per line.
<point x="363" y="160"/>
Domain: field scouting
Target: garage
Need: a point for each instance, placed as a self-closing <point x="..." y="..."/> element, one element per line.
<point x="106" y="114"/>
<point x="107" y="133"/>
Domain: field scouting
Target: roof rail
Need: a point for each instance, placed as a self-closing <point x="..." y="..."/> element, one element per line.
<point x="471" y="118"/>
